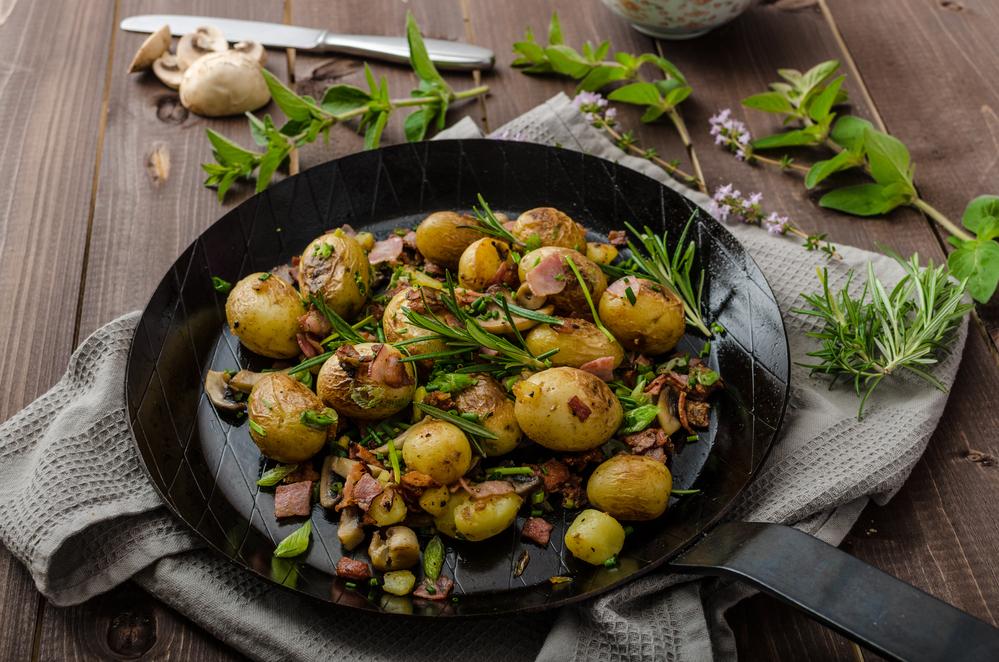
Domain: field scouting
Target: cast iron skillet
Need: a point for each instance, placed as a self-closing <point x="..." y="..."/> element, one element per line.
<point x="206" y="467"/>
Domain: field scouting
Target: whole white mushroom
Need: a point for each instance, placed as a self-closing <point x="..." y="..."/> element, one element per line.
<point x="227" y="83"/>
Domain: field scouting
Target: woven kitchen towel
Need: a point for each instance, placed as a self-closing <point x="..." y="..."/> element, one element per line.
<point x="77" y="509"/>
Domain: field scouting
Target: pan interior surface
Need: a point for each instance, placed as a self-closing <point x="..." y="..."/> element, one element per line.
<point x="206" y="466"/>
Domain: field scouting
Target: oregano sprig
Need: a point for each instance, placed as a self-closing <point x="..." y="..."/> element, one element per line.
<point x="308" y="118"/>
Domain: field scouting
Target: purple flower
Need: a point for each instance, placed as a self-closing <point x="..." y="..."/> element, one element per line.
<point x="731" y="133"/>
<point x="594" y="108"/>
<point x="776" y="224"/>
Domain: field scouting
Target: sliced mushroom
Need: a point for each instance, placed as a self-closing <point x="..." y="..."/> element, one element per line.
<point x="252" y="49"/>
<point x="167" y="69"/>
<point x="349" y="530"/>
<point x="528" y="299"/>
<point x="204" y="40"/>
<point x="524" y="485"/>
<point x="221" y="84"/>
<point x="244" y="380"/>
<point x="216" y="386"/>
<point x="399" y="549"/>
<point x="500" y="324"/>
<point x="667" y="414"/>
<point x="327" y="499"/>
<point x="154" y="46"/>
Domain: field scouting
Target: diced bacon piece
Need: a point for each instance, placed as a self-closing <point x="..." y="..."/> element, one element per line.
<point x="293" y="500"/>
<point x="387" y="369"/>
<point x="442" y="589"/>
<point x="355" y="474"/>
<point x="348" y="568"/>
<point x="698" y="413"/>
<point x="308" y="345"/>
<point x="602" y="367"/>
<point x="553" y="474"/>
<point x="365" y="491"/>
<point x="537" y="530"/>
<point x="646" y="439"/>
<point x="618" y="237"/>
<point x="486" y="489"/>
<point x="315" y="322"/>
<point x="417" y="479"/>
<point x="579" y="408"/>
<point x="409" y="239"/>
<point x="548" y="277"/>
<point x="386" y="250"/>
<point x="303" y="472"/>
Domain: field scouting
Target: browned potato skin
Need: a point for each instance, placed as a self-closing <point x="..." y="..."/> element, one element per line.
<point x="630" y="487"/>
<point x="543" y="411"/>
<point x="481" y="261"/>
<point x="570" y="301"/>
<point x="342" y="280"/>
<point x="551" y="226"/>
<point x="488" y="399"/>
<point x="444" y="235"/>
<point x="264" y="314"/>
<point x="653" y="325"/>
<point x="578" y="341"/>
<point x="348" y="391"/>
<point x="276" y="404"/>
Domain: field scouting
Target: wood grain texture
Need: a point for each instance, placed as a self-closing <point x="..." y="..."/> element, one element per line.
<point x="933" y="75"/>
<point x="141" y="221"/>
<point x="50" y="100"/>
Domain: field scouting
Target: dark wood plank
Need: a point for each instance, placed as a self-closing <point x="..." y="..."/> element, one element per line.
<point x="126" y="624"/>
<point x="932" y="76"/>
<point x="314" y="72"/>
<point x="51" y="102"/>
<point x="141" y="221"/>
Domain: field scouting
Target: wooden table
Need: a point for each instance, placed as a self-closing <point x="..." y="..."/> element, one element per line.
<point x="91" y="216"/>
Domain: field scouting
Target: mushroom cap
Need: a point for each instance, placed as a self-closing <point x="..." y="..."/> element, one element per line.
<point x="204" y="40"/>
<point x="220" y="84"/>
<point x="154" y="46"/>
<point x="253" y="49"/>
<point x="167" y="69"/>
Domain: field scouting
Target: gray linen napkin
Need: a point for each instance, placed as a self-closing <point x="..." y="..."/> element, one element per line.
<point x="77" y="509"/>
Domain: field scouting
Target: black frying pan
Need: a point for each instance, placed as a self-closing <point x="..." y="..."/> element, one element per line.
<point x="206" y="467"/>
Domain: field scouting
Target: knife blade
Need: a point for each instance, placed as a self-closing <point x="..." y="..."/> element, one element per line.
<point x="445" y="54"/>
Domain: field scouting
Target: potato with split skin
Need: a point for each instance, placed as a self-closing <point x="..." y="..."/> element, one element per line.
<point x="437" y="448"/>
<point x="485" y="262"/>
<point x="594" y="537"/>
<point x="567" y="409"/>
<point x="578" y="341"/>
<point x="334" y="268"/>
<point x="651" y="324"/>
<point x="262" y="311"/>
<point x="488" y="400"/>
<point x="275" y="407"/>
<point x="569" y="300"/>
<point x="366" y="381"/>
<point x="444" y="235"/>
<point x="466" y="518"/>
<point x="397" y="327"/>
<point x="630" y="487"/>
<point x="547" y="226"/>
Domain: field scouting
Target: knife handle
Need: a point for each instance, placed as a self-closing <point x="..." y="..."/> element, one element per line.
<point x="445" y="54"/>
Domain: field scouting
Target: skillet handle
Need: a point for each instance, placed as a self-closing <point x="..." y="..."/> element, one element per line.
<point x="870" y="607"/>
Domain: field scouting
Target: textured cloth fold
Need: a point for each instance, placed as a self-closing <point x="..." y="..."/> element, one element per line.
<point x="78" y="510"/>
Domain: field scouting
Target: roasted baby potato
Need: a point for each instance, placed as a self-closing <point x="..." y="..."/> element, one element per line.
<point x="434" y="499"/>
<point x="485" y="262"/>
<point x="566" y="409"/>
<point x="275" y="407"/>
<point x="444" y="235"/>
<point x="366" y="381"/>
<point x="397" y="327"/>
<point x="487" y="399"/>
<point x="334" y="268"/>
<point x="601" y="253"/>
<point x="388" y="508"/>
<point x="569" y="300"/>
<point x="547" y="226"/>
<point x="578" y="341"/>
<point x="262" y="311"/>
<point x="466" y="518"/>
<point x="438" y="449"/>
<point x="653" y="324"/>
<point x="630" y="487"/>
<point x="594" y="537"/>
<point x="398" y="549"/>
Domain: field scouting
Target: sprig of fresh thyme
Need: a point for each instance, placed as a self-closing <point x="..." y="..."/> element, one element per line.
<point x="309" y="118"/>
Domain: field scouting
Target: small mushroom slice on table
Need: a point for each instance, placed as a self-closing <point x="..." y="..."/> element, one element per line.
<point x="154" y="46"/>
<point x="167" y="69"/>
<point x="252" y="49"/>
<point x="204" y="40"/>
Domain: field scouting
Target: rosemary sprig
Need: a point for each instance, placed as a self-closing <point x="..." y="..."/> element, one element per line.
<point x="487" y="223"/>
<point x="340" y="326"/>
<point x="356" y="326"/>
<point x="589" y="300"/>
<point x="674" y="270"/>
<point x="310" y="363"/>
<point x="879" y="333"/>
<point x="469" y="427"/>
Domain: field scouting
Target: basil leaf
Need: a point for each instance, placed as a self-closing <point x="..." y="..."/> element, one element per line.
<point x="793" y="138"/>
<point x="340" y="99"/>
<point x="639" y="94"/>
<point x="822" y="169"/>
<point x="976" y="260"/>
<point x="848" y="132"/>
<point x="433" y="558"/>
<point x="823" y="102"/>
<point x="272" y="477"/>
<point x="284" y="572"/>
<point x="451" y="382"/>
<point x="863" y="199"/>
<point x="296" y="543"/>
<point x="981" y="216"/>
<point x="769" y="102"/>
<point x="638" y="419"/>
<point x="418" y="57"/>
<point x="888" y="158"/>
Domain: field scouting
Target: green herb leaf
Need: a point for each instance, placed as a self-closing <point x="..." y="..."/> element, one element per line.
<point x="269" y="165"/>
<point x="888" y="158"/>
<point x="977" y="260"/>
<point x="228" y="152"/>
<point x="272" y="477"/>
<point x="848" y="132"/>
<point x="601" y="76"/>
<point x="567" y="61"/>
<point x="639" y="418"/>
<point x="340" y="99"/>
<point x="793" y="138"/>
<point x="433" y="558"/>
<point x="554" y="37"/>
<point x="639" y="94"/>
<point x="451" y="382"/>
<point x="320" y="419"/>
<point x="769" y="102"/>
<point x="864" y="199"/>
<point x="296" y="543"/>
<point x="820" y="170"/>
<point x="981" y="216"/>
<point x="343" y="329"/>
<point x="417" y="122"/>
<point x="823" y="102"/>
<point x="373" y="134"/>
<point x="220" y="285"/>
<point x="292" y="105"/>
<point x="418" y="57"/>
<point x="258" y="428"/>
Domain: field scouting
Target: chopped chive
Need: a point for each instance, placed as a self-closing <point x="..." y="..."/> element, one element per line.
<point x="350" y="585"/>
<point x="630" y="293"/>
<point x="537" y="512"/>
<point x="220" y="285"/>
<point x="264" y="276"/>
<point x="692" y="437"/>
<point x="684" y="492"/>
<point x="628" y="530"/>
<point x="611" y="562"/>
<point x="538" y="497"/>
<point x="511" y="471"/>
<point x="322" y="419"/>
<point x="256" y="427"/>
<point x="706" y="349"/>
<point x="717" y="328"/>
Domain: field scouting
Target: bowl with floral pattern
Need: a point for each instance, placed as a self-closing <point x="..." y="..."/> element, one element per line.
<point x="678" y="19"/>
